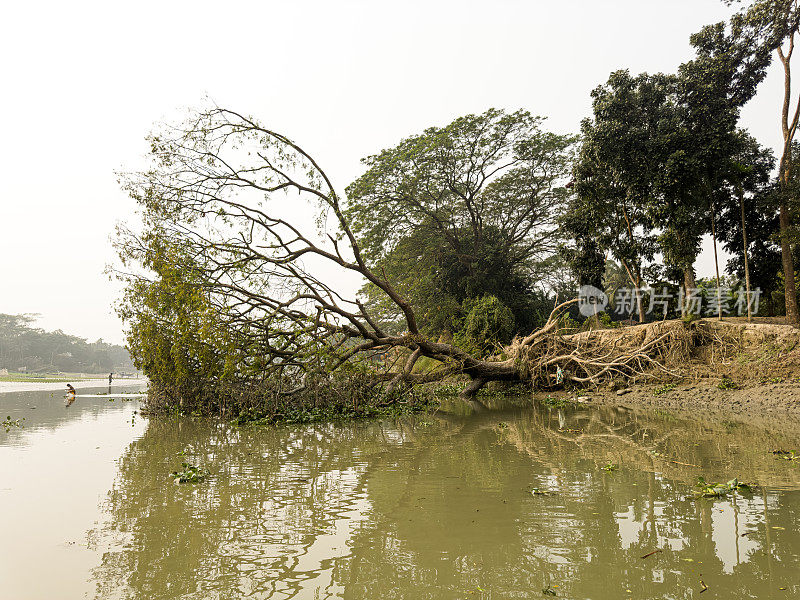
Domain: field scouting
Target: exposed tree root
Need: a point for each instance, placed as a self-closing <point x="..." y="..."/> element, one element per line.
<point x="593" y="357"/>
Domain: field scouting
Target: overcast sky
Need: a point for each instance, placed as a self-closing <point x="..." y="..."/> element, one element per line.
<point x="83" y="83"/>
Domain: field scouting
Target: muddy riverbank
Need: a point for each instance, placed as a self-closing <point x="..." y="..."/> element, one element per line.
<point x="745" y="369"/>
<point x="751" y="402"/>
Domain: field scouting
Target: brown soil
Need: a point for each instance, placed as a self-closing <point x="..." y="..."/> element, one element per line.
<point x="753" y="399"/>
<point x="760" y="361"/>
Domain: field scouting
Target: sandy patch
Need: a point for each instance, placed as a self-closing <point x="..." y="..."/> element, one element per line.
<point x="35" y="386"/>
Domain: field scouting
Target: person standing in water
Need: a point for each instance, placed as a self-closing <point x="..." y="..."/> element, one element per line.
<point x="70" y="397"/>
<point x="110" y="377"/>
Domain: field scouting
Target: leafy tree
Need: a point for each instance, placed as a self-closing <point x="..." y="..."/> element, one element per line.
<point x="229" y="289"/>
<point x="763" y="243"/>
<point x="172" y="332"/>
<point x="479" y="197"/>
<point x="620" y="164"/>
<point x="771" y="26"/>
<point x="440" y="283"/>
<point x="657" y="153"/>
<point x="713" y="87"/>
<point x="748" y="219"/>
<point x="585" y="254"/>
<point x="488" y="325"/>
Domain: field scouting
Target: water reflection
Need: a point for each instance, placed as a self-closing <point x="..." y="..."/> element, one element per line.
<point x="440" y="507"/>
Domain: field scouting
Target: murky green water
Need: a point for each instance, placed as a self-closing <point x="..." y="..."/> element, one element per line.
<point x="434" y="506"/>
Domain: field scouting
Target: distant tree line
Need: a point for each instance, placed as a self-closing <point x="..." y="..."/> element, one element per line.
<point x="27" y="348"/>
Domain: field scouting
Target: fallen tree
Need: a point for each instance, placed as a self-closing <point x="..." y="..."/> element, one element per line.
<point x="239" y="271"/>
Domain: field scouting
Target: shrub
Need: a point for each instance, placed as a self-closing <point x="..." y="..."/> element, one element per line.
<point x="488" y="325"/>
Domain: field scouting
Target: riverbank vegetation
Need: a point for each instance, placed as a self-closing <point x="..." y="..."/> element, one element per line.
<point x="255" y="286"/>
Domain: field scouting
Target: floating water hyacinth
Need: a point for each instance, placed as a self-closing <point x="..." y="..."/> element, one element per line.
<point x="190" y="474"/>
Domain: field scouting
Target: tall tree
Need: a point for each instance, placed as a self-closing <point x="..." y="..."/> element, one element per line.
<point x="712" y="88"/>
<point x="483" y="196"/>
<point x="772" y="26"/>
<point x="617" y="172"/>
<point x="746" y="209"/>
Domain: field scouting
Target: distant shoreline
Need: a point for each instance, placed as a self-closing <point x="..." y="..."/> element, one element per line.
<point x="41" y="386"/>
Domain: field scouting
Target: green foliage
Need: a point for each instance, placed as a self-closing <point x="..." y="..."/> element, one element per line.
<point x="719" y="490"/>
<point x="200" y="363"/>
<point x="727" y="384"/>
<point x="464" y="211"/>
<point x="8" y="423"/>
<point x="606" y="321"/>
<point x="336" y="404"/>
<point x="190" y="474"/>
<point x="488" y="325"/>
<point x="666" y="388"/>
<point x="609" y="467"/>
<point x="568" y="325"/>
<point x="618" y="170"/>
<point x="662" y="153"/>
<point x="557" y="402"/>
<point x="177" y="337"/>
<point x="764" y="25"/>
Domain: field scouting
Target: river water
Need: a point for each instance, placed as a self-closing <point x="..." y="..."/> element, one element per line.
<point x="428" y="506"/>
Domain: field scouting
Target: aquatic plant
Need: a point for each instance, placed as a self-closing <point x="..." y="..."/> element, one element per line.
<point x="556" y="401"/>
<point x="790" y="455"/>
<point x="719" y="490"/>
<point x="660" y="391"/>
<point x="548" y="591"/>
<point x="190" y="474"/>
<point x="9" y="423"/>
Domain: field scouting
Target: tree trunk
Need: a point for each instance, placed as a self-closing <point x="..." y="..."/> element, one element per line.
<point x="638" y="270"/>
<point x="636" y="279"/>
<point x="789" y="129"/>
<point x="639" y="299"/>
<point x="689" y="284"/>
<point x="790" y="289"/>
<point x="473" y="388"/>
<point x="716" y="259"/>
<point x="740" y="190"/>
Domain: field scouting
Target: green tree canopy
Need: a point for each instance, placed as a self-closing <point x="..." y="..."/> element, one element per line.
<point x="465" y="210"/>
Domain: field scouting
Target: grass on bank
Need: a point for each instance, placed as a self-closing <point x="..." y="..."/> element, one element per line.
<point x="33" y="378"/>
<point x="14" y="377"/>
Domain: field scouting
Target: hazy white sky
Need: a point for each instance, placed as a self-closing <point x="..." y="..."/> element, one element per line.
<point x="84" y="82"/>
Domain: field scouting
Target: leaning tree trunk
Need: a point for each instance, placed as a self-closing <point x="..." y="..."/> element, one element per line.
<point x="740" y="190"/>
<point x="789" y="129"/>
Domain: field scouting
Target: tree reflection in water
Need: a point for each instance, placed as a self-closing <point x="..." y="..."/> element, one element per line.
<point x="439" y="506"/>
